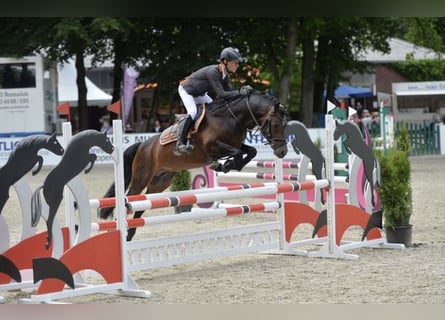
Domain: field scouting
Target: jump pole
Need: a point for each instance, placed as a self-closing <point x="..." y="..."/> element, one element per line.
<point x="182" y="200"/>
<point x="111" y="202"/>
<point x="188" y="216"/>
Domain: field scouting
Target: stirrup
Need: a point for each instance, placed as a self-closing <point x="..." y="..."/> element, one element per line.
<point x="179" y="149"/>
<point x="189" y="147"/>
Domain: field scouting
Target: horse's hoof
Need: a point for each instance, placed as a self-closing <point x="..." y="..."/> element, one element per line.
<point x="228" y="165"/>
<point x="216" y="166"/>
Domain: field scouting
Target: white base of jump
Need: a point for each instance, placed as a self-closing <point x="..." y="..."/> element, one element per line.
<point x="201" y="246"/>
<point x="168" y="251"/>
<point x="338" y="252"/>
<point x="115" y="288"/>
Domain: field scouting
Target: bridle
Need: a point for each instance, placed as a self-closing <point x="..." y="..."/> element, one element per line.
<point x="266" y="126"/>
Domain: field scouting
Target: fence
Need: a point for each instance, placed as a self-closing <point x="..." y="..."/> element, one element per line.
<point x="424" y="137"/>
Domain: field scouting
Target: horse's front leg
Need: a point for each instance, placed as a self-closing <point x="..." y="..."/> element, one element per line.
<point x="238" y="162"/>
<point x="92" y="158"/>
<point x="221" y="150"/>
<point x="40" y="163"/>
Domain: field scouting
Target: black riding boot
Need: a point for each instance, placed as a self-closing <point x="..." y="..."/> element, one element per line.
<point x="181" y="145"/>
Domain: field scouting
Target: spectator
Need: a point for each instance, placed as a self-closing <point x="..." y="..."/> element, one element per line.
<point x="106" y="125"/>
<point x="157" y="127"/>
<point x="366" y="118"/>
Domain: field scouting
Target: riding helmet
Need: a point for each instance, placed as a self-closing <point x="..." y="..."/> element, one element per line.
<point x="230" y="54"/>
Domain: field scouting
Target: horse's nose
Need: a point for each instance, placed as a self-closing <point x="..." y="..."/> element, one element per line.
<point x="281" y="152"/>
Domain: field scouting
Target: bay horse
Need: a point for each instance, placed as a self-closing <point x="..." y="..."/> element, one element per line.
<point x="218" y="134"/>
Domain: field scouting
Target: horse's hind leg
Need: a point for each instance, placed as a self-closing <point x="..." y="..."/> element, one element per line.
<point x="4" y="196"/>
<point x="50" y="221"/>
<point x="369" y="174"/>
<point x="158" y="184"/>
<point x="132" y="231"/>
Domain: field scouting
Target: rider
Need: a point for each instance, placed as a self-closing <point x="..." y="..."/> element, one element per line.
<point x="204" y="85"/>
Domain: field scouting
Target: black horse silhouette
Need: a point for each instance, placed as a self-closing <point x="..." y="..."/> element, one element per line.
<point x="22" y="159"/>
<point x="354" y="143"/>
<point x="76" y="158"/>
<point x="303" y="144"/>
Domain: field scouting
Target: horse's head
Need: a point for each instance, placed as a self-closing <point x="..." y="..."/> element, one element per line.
<point x="53" y="145"/>
<point x="274" y="129"/>
<point x="94" y="138"/>
<point x="339" y="129"/>
<point x="105" y="144"/>
<point x="345" y="127"/>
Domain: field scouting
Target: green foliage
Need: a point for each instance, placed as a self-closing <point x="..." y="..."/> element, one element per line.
<point x="182" y="181"/>
<point x="420" y="70"/>
<point x="402" y="138"/>
<point x="273" y="46"/>
<point x="395" y="190"/>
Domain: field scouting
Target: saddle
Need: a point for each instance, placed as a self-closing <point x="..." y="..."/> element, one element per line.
<point x="170" y="134"/>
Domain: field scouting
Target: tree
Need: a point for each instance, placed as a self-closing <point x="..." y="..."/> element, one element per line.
<point x="428" y="32"/>
<point x="339" y="43"/>
<point x="59" y="39"/>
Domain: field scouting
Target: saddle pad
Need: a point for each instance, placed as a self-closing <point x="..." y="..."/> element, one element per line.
<point x="170" y="134"/>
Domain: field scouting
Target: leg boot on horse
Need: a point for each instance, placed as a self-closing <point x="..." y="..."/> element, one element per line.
<point x="182" y="145"/>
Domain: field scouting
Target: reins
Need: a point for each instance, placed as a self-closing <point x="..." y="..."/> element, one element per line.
<point x="267" y="134"/>
<point x="251" y="114"/>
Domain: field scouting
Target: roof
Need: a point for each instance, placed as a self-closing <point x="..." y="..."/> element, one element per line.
<point x="399" y="51"/>
<point x="67" y="87"/>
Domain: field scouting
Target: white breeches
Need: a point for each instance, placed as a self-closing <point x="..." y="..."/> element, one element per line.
<point x="190" y="102"/>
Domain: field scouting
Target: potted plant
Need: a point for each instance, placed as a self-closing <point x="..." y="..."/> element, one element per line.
<point x="182" y="181"/>
<point x="395" y="191"/>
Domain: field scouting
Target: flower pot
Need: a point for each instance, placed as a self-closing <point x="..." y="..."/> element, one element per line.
<point x="400" y="234"/>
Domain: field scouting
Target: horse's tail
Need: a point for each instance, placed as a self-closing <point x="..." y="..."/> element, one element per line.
<point x="36" y="207"/>
<point x="129" y="154"/>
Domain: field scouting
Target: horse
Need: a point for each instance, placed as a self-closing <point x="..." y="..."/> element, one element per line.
<point x="76" y="158"/>
<point x="218" y="135"/>
<point x="23" y="158"/>
<point x="354" y="143"/>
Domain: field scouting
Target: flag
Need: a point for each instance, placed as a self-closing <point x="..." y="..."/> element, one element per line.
<point x="130" y="76"/>
<point x="115" y="107"/>
<point x="64" y="108"/>
<point x="331" y="106"/>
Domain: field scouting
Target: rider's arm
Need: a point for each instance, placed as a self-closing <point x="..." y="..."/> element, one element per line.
<point x="218" y="86"/>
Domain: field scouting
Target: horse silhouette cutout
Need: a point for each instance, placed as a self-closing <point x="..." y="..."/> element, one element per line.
<point x="77" y="157"/>
<point x="151" y="165"/>
<point x="302" y="143"/>
<point x="22" y="159"/>
<point x="354" y="143"/>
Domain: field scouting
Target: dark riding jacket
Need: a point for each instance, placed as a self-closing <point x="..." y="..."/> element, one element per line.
<point x="209" y="79"/>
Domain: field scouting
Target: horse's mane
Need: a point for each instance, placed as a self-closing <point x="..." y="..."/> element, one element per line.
<point x="31" y="142"/>
<point x="219" y="106"/>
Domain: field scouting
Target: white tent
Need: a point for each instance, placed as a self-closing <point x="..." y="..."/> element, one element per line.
<point x="67" y="87"/>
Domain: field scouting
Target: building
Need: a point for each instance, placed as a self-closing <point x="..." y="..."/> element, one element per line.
<point x="409" y="101"/>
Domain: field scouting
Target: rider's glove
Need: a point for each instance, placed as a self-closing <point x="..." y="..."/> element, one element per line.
<point x="245" y="90"/>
